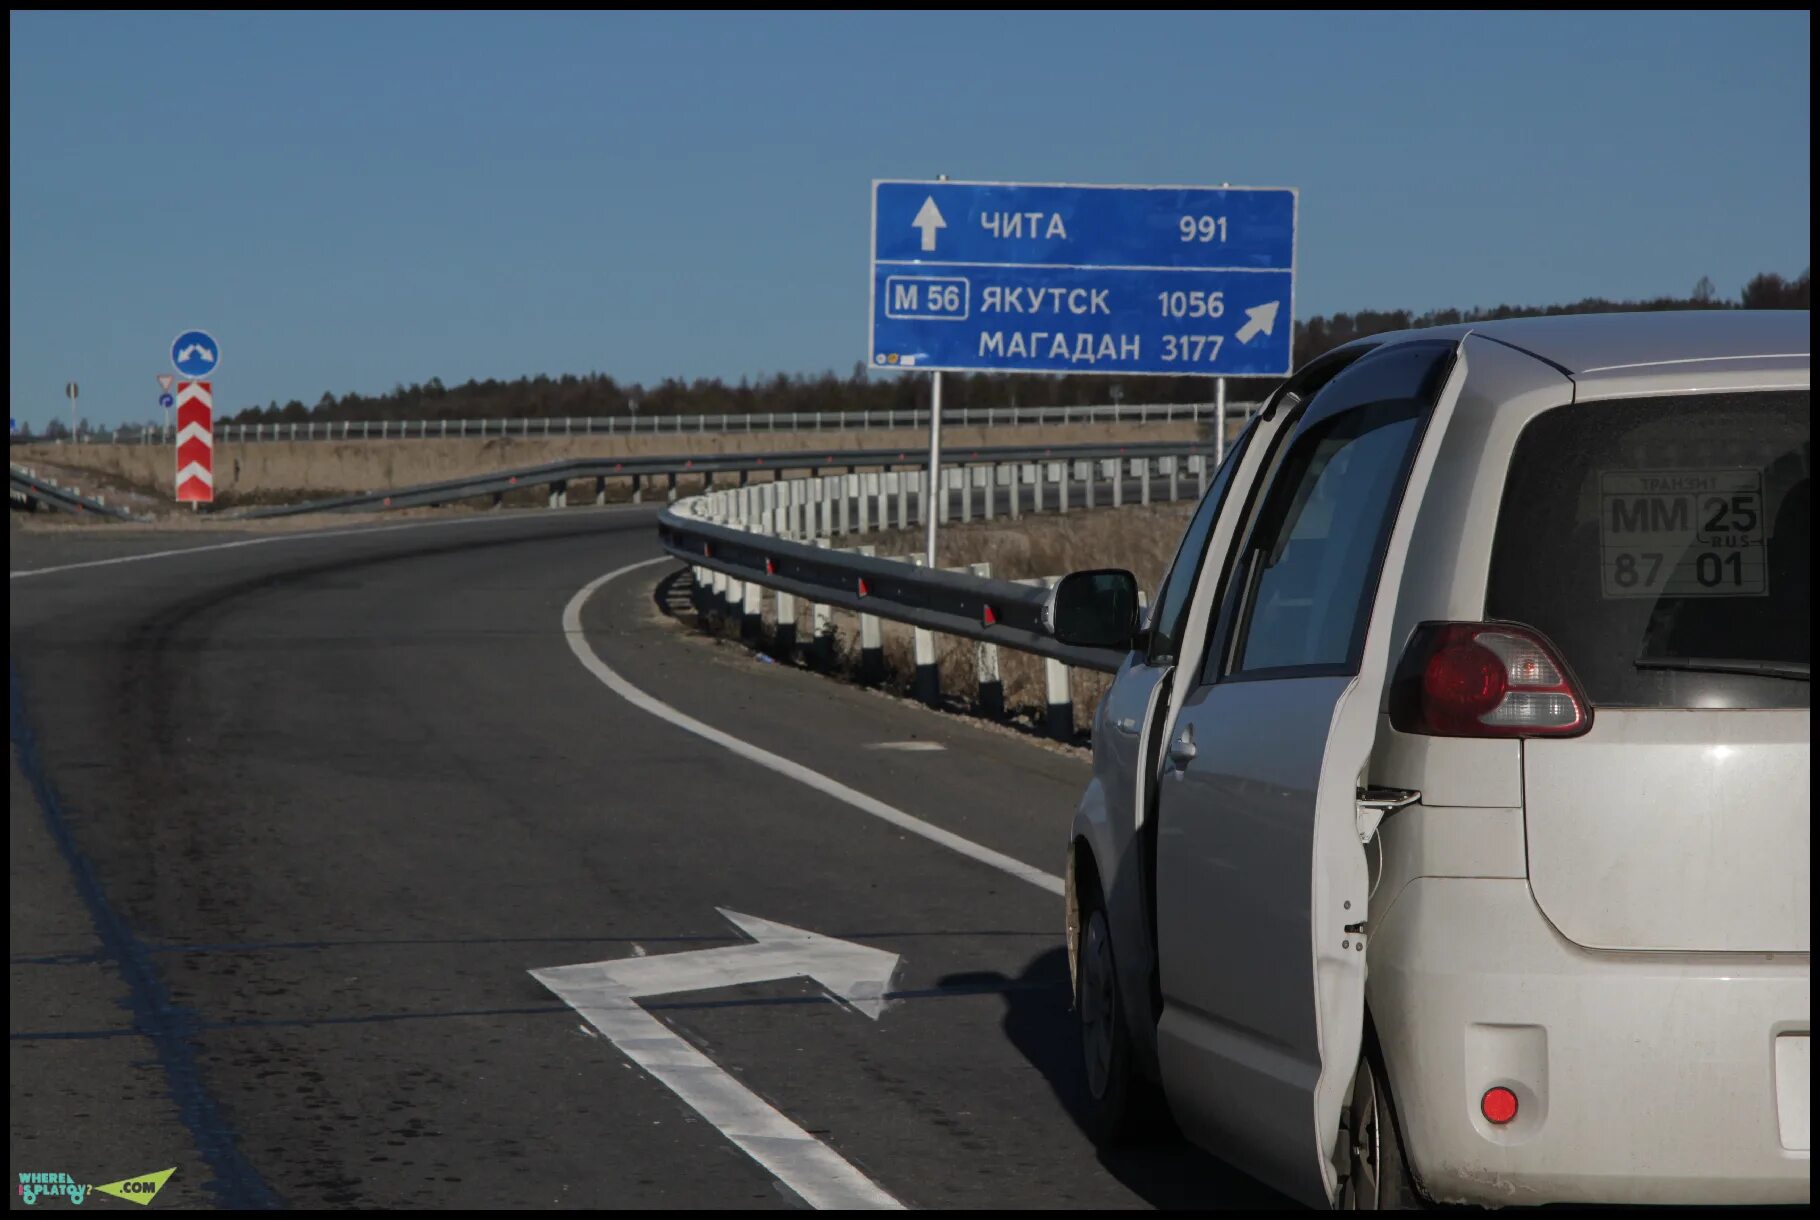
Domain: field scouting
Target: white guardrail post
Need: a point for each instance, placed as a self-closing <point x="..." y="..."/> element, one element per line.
<point x="821" y="622"/>
<point x="871" y="643"/>
<point x="752" y="606"/>
<point x="926" y="685"/>
<point x="989" y="695"/>
<point x="1057" y="695"/>
<point x="783" y="638"/>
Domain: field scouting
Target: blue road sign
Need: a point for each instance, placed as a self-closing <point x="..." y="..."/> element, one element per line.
<point x="1007" y="277"/>
<point x="195" y="354"/>
<point x="165" y="400"/>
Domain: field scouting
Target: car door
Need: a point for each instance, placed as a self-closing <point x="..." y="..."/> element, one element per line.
<point x="1125" y="754"/>
<point x="1261" y="878"/>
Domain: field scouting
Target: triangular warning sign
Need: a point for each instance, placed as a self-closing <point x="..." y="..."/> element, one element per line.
<point x="164" y="381"/>
<point x="142" y="1189"/>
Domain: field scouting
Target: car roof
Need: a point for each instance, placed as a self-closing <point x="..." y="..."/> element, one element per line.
<point x="1590" y="342"/>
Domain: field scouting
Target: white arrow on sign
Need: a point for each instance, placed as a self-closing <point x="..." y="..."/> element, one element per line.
<point x="1263" y="318"/>
<point x="929" y="219"/>
<point x="606" y="994"/>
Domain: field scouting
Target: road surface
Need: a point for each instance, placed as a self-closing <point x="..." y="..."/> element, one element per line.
<point x="292" y="822"/>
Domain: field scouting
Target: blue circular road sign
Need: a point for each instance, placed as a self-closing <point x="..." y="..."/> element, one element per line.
<point x="165" y="400"/>
<point x="194" y="353"/>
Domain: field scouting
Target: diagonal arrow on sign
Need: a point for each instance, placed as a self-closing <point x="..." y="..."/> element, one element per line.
<point x="606" y="994"/>
<point x="1262" y="318"/>
<point x="195" y="431"/>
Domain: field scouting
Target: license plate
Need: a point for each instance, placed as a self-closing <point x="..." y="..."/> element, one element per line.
<point x="1682" y="533"/>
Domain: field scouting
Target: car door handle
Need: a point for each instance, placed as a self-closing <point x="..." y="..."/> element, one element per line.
<point x="1182" y="749"/>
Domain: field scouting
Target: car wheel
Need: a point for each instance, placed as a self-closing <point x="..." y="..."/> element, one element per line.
<point x="1377" y="1174"/>
<point x="1119" y="1105"/>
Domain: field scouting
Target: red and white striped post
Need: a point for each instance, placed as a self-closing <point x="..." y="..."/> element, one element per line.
<point x="195" y="443"/>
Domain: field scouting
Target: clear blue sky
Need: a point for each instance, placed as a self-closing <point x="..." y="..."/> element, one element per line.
<point x="354" y="201"/>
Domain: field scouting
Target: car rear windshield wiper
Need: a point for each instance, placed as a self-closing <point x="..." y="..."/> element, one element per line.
<point x="1796" y="670"/>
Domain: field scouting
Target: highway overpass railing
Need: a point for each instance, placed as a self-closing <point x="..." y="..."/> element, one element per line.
<point x="559" y="477"/>
<point x="638" y="425"/>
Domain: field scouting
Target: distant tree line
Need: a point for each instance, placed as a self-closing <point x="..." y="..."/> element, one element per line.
<point x="598" y="394"/>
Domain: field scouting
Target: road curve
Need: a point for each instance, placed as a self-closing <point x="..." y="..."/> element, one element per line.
<point x="292" y="822"/>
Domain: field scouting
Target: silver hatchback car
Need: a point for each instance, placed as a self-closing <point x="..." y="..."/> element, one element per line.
<point x="1448" y="835"/>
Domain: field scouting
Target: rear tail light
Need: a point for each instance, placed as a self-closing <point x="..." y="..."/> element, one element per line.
<point x="1485" y="680"/>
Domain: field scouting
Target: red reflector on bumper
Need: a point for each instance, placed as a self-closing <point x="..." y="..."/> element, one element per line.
<point x="1499" y="1105"/>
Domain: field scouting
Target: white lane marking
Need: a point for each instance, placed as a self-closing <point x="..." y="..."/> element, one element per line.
<point x="578" y="644"/>
<point x="607" y="995"/>
<point x="261" y="541"/>
<point x="908" y="747"/>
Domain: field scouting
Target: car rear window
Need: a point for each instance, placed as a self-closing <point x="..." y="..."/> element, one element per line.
<point x="1663" y="545"/>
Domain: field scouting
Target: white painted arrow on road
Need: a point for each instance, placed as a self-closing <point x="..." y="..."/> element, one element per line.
<point x="606" y="994"/>
<point x="1263" y="318"/>
<point x="929" y="219"/>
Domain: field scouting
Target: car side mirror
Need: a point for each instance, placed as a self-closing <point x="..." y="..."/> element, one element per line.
<point x="1097" y="609"/>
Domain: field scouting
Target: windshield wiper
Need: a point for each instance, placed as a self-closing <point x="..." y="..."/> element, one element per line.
<point x="1796" y="670"/>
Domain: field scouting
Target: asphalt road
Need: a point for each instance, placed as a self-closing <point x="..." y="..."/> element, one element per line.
<point x="291" y="822"/>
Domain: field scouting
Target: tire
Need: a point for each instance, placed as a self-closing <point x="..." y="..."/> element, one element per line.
<point x="1120" y="1104"/>
<point x="1377" y="1171"/>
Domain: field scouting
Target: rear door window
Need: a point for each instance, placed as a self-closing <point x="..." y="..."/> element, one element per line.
<point x="1663" y="545"/>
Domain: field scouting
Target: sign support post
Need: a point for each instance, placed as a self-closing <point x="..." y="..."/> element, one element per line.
<point x="1219" y="421"/>
<point x="935" y="500"/>
<point x="932" y="502"/>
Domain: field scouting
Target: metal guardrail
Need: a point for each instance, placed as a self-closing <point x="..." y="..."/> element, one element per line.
<point x="632" y="425"/>
<point x="34" y="489"/>
<point x="778" y="537"/>
<point x="558" y="475"/>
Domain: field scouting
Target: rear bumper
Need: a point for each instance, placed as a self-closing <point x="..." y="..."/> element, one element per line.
<point x="1641" y="1077"/>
